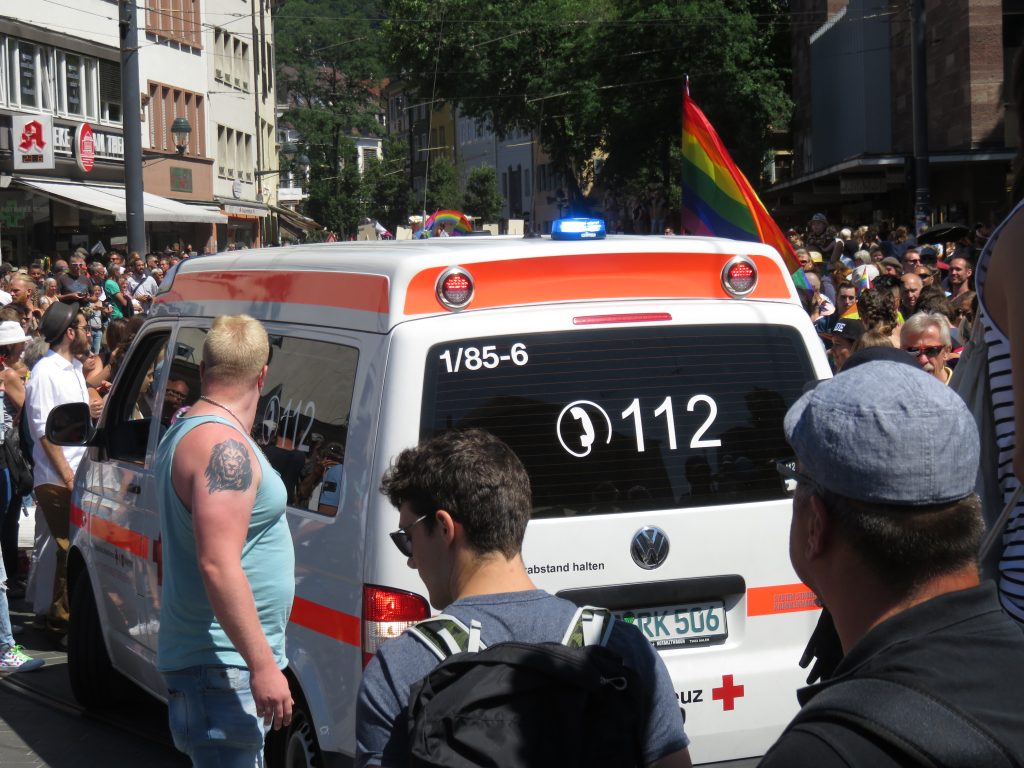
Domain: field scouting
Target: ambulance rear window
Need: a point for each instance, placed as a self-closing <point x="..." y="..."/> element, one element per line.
<point x="614" y="420"/>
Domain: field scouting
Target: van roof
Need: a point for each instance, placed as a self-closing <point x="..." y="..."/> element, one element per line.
<point x="375" y="285"/>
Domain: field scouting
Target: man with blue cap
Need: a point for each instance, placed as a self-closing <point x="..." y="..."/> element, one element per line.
<point x="928" y="666"/>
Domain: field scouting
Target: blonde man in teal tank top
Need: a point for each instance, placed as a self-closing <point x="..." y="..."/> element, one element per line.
<point x="229" y="564"/>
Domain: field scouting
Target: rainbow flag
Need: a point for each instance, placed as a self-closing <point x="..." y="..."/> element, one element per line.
<point x="717" y="198"/>
<point x="801" y="282"/>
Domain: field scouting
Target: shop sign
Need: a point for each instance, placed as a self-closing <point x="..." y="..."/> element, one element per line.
<point x="13" y="213"/>
<point x="85" y="147"/>
<point x="862" y="185"/>
<point x="242" y="210"/>
<point x="33" y="142"/>
<point x="181" y="179"/>
<point x="106" y="146"/>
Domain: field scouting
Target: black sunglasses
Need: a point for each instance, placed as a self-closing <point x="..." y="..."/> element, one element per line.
<point x="401" y="536"/>
<point x="928" y="351"/>
<point x="791" y="473"/>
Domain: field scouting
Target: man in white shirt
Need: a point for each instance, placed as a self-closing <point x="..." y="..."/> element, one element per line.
<point x="141" y="287"/>
<point x="57" y="379"/>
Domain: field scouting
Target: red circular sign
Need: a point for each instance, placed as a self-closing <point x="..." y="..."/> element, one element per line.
<point x="86" y="144"/>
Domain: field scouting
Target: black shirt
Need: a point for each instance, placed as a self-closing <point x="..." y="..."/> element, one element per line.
<point x="960" y="647"/>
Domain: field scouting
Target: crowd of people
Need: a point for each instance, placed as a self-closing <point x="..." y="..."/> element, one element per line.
<point x="876" y="286"/>
<point x="65" y="325"/>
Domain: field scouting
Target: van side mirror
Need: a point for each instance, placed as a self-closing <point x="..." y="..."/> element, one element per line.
<point x="69" y="424"/>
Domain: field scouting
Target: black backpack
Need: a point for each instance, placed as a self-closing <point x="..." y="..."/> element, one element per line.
<point x="525" y="704"/>
<point x="914" y="726"/>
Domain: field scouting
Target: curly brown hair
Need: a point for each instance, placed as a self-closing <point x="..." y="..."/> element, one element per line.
<point x="876" y="310"/>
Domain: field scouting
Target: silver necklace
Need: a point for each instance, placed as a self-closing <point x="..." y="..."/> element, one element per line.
<point x="211" y="401"/>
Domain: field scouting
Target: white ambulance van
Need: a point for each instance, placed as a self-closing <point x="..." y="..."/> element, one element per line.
<point x="641" y="380"/>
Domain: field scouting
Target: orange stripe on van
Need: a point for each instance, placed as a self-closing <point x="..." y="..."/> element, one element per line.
<point x="326" y="621"/>
<point x="599" y="276"/>
<point x="784" y="598"/>
<point x="123" y="538"/>
<point x="368" y="293"/>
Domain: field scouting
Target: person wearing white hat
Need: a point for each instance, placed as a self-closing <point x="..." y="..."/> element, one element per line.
<point x="12" y="344"/>
<point x="12" y="657"/>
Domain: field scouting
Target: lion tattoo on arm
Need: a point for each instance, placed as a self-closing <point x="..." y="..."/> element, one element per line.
<point x="230" y="468"/>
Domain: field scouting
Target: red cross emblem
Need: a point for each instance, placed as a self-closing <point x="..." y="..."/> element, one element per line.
<point x="32" y="135"/>
<point x="728" y="693"/>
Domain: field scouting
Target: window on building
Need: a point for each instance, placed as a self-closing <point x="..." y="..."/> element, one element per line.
<point x="245" y="161"/>
<point x="77" y="80"/>
<point x="30" y="82"/>
<point x="176" y="20"/>
<point x="220" y="55"/>
<point x="222" y="150"/>
<point x="167" y="103"/>
<point x="110" y="91"/>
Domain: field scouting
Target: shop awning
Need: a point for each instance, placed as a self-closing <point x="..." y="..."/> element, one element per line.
<point x="295" y="223"/>
<point x="110" y="199"/>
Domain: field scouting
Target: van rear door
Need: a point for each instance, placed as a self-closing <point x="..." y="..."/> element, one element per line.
<point x="651" y="448"/>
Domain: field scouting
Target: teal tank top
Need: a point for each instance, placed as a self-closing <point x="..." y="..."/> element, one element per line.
<point x="189" y="632"/>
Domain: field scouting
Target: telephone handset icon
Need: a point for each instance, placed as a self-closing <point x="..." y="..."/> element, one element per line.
<point x="581" y="438"/>
<point x="587" y="438"/>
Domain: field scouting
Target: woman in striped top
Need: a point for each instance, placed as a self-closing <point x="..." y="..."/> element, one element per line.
<point x="999" y="281"/>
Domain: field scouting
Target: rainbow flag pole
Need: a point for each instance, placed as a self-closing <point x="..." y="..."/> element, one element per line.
<point x="717" y="198"/>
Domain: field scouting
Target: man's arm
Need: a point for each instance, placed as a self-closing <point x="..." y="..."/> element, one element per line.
<point x="680" y="759"/>
<point x="59" y="461"/>
<point x="214" y="469"/>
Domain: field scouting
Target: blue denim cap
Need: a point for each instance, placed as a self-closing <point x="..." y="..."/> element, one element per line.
<point x="877" y="433"/>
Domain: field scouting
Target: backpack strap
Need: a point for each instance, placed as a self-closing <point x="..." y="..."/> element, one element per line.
<point x="589" y="626"/>
<point x="910" y="721"/>
<point x="445" y="635"/>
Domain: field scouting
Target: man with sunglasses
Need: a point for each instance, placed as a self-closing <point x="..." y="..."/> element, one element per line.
<point x="463" y="501"/>
<point x="926" y="666"/>
<point x="925" y="336"/>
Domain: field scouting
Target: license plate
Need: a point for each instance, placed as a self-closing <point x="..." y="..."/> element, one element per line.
<point x="693" y="624"/>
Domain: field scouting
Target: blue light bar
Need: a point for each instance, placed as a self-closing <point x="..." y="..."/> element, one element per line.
<point x="577" y="229"/>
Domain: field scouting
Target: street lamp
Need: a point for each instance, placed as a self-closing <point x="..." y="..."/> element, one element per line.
<point x="180" y="130"/>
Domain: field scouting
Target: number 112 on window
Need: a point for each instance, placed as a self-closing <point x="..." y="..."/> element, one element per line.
<point x="665" y="410"/>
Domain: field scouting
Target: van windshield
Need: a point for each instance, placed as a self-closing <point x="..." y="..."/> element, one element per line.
<point x="614" y="420"/>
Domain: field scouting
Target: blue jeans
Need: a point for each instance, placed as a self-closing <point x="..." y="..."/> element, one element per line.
<point x="213" y="716"/>
<point x="6" y="635"/>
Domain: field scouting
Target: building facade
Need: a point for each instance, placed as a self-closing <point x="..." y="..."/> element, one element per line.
<point x="853" y="118"/>
<point x="62" y="110"/>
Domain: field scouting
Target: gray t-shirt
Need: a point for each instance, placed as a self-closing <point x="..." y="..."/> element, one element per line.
<point x="535" y="617"/>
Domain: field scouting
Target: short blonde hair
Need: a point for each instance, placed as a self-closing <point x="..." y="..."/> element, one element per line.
<point x="236" y="349"/>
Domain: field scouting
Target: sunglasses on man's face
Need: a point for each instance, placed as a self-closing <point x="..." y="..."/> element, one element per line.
<point x="792" y="473"/>
<point x="401" y="536"/>
<point x="926" y="351"/>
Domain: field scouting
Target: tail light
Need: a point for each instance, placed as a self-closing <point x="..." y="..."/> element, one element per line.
<point x="387" y="613"/>
<point x="455" y="288"/>
<point x="739" y="276"/>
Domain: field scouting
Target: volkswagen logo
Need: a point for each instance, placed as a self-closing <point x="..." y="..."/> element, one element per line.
<point x="649" y="548"/>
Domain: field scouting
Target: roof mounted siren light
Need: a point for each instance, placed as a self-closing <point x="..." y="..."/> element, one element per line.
<point x="739" y="276"/>
<point x="578" y="228"/>
<point x="455" y="288"/>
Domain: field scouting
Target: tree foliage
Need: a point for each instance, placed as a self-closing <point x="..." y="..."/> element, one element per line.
<point x="482" y="197"/>
<point x="388" y="197"/>
<point x="328" y="65"/>
<point x="442" y="185"/>
<point x="604" y="76"/>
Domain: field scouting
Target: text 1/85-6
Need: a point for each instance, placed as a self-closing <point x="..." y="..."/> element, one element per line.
<point x="475" y="358"/>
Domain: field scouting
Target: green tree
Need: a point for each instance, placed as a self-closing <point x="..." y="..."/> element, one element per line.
<point x="337" y="201"/>
<point x="389" y="197"/>
<point x="608" y="79"/>
<point x="442" y="185"/>
<point x="329" y="68"/>
<point x="483" y="198"/>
